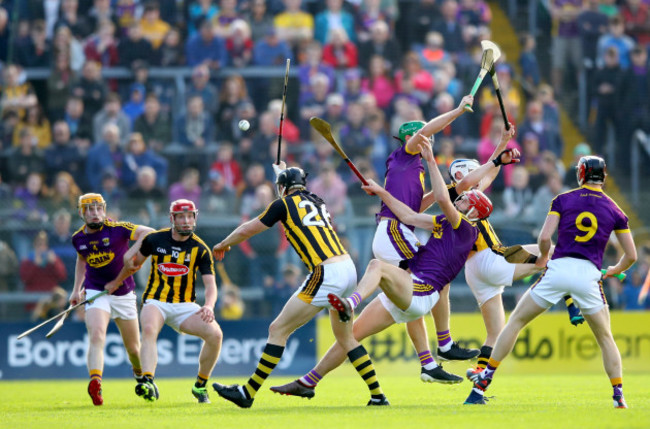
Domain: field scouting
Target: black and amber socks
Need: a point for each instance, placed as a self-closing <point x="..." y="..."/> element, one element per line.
<point x="270" y="358"/>
<point x="362" y="363"/>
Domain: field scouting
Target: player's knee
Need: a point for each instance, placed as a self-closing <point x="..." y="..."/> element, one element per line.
<point x="214" y="336"/>
<point x="149" y="330"/>
<point x="278" y="329"/>
<point x="96" y="335"/>
<point x="374" y="265"/>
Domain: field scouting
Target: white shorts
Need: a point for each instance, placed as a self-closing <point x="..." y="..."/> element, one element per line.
<point x="339" y="278"/>
<point x="394" y="242"/>
<point x="420" y="305"/>
<point x="119" y="307"/>
<point x="577" y="277"/>
<point x="174" y="313"/>
<point x="487" y="273"/>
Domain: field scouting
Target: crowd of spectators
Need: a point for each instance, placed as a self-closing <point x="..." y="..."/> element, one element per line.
<point x="365" y="66"/>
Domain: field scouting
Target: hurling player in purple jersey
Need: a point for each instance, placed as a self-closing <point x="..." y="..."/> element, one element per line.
<point x="406" y="295"/>
<point x="101" y="245"/>
<point x="584" y="218"/>
<point x="396" y="243"/>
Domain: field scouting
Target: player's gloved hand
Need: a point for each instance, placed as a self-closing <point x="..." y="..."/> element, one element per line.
<point x="508" y="156"/>
<point x="278" y="168"/>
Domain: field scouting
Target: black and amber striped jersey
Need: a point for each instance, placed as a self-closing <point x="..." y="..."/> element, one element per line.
<point x="174" y="265"/>
<point x="307" y="225"/>
<point x="487" y="238"/>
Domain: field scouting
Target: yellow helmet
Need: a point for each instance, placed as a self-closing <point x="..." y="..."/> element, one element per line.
<point x="89" y="199"/>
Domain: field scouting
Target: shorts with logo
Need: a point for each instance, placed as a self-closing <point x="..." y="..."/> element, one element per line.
<point x="119" y="307"/>
<point x="578" y="277"/>
<point x="339" y="278"/>
<point x="394" y="242"/>
<point x="174" y="313"/>
<point x="487" y="273"/>
<point x="420" y="304"/>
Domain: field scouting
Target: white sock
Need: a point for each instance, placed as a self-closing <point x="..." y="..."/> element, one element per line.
<point x="307" y="382"/>
<point x="430" y="366"/>
<point x="446" y="347"/>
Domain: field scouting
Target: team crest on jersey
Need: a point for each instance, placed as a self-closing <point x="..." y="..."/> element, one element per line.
<point x="106" y="241"/>
<point x="171" y="269"/>
<point x="100" y="259"/>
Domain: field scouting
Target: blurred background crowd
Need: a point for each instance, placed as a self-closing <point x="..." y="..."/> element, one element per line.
<point x="139" y="100"/>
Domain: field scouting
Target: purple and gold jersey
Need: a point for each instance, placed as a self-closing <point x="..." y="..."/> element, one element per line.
<point x="104" y="252"/>
<point x="587" y="218"/>
<point x="404" y="180"/>
<point x="440" y="260"/>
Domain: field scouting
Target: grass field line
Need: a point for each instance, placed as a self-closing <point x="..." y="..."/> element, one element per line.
<point x="537" y="401"/>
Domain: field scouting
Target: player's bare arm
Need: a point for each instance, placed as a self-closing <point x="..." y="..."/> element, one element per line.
<point x="79" y="276"/>
<point x="486" y="173"/>
<point x="133" y="259"/>
<point x="401" y="210"/>
<point x="629" y="254"/>
<point x="207" y="311"/>
<point x="438" y="123"/>
<point x="544" y="239"/>
<point x="438" y="187"/>
<point x="242" y="233"/>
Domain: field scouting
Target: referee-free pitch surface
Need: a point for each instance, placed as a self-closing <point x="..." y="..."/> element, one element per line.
<point x="536" y="401"/>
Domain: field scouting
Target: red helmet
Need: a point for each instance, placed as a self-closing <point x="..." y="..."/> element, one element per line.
<point x="182" y="206"/>
<point x="480" y="206"/>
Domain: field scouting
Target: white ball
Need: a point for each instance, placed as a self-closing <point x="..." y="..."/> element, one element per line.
<point x="244" y="125"/>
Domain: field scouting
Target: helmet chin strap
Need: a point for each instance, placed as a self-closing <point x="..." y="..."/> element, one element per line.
<point x="184" y="233"/>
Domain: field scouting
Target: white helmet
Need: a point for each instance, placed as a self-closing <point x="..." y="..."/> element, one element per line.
<point x="461" y="168"/>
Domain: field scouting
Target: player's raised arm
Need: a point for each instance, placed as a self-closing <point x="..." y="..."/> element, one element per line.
<point x="438" y="187"/>
<point x="401" y="210"/>
<point x="438" y="123"/>
<point x="486" y="173"/>
<point x="629" y="254"/>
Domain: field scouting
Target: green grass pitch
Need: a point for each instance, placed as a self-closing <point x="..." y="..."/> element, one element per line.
<point x="533" y="401"/>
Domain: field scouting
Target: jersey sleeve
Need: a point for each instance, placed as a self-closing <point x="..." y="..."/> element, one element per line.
<point x="206" y="263"/>
<point x="276" y="211"/>
<point x="620" y="221"/>
<point x="147" y="245"/>
<point x="127" y="229"/>
<point x="556" y="207"/>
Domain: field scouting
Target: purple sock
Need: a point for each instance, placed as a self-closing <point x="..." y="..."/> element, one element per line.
<point x="311" y="379"/>
<point x="489" y="371"/>
<point x="618" y="390"/>
<point x="444" y="338"/>
<point x="425" y="357"/>
<point x="355" y="299"/>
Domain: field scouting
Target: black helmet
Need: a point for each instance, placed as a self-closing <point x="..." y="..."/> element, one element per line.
<point x="290" y="178"/>
<point x="591" y="169"/>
